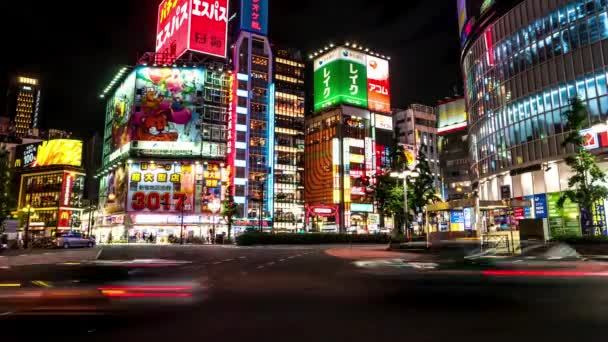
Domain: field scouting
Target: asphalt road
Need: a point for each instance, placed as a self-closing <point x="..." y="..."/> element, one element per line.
<point x="316" y="294"/>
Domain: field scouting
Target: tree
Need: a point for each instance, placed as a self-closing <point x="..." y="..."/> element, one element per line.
<point x="229" y="210"/>
<point x="586" y="183"/>
<point x="7" y="199"/>
<point x="422" y="188"/>
<point x="389" y="199"/>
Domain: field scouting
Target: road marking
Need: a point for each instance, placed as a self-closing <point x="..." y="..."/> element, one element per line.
<point x="5" y="267"/>
<point x="270" y="263"/>
<point x="10" y="285"/>
<point x="98" y="254"/>
<point x="41" y="283"/>
<point x="261" y="266"/>
<point x="6" y="313"/>
<point x="217" y="262"/>
<point x="281" y="260"/>
<point x="291" y="257"/>
<point x="228" y="260"/>
<point x="243" y="257"/>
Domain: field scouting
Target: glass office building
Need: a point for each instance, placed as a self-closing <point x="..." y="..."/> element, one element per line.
<point x="522" y="63"/>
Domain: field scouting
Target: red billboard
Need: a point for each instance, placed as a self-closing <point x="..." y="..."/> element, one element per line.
<point x="209" y="27"/>
<point x="195" y="25"/>
<point x="378" y="96"/>
<point x="172" y="28"/>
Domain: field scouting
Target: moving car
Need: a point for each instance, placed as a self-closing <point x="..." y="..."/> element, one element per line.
<point x="72" y="239"/>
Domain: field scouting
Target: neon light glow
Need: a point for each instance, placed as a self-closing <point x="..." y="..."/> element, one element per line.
<point x="242" y="77"/>
<point x="271" y="154"/>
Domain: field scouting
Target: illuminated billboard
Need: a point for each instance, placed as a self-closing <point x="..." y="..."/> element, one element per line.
<point x="195" y="25"/>
<point x="254" y="16"/>
<point x="340" y="77"/>
<point x="47" y="153"/>
<point x="378" y="96"/>
<point x="451" y="116"/>
<point x="346" y="76"/>
<point x="383" y="122"/>
<point x="163" y="187"/>
<point x="26" y="155"/>
<point x="119" y="109"/>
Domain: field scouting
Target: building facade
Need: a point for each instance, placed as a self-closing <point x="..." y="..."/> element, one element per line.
<point x="51" y="185"/>
<point x="523" y="62"/>
<point x="252" y="132"/>
<point x="163" y="173"/>
<point x="346" y="135"/>
<point x="23" y="105"/>
<point x="453" y="147"/>
<point x="289" y="107"/>
<point x="416" y="129"/>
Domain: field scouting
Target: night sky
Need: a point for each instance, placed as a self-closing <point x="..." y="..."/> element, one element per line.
<point x="76" y="56"/>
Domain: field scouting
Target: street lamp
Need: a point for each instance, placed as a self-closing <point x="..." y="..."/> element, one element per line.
<point x="405" y="175"/>
<point x="29" y="210"/>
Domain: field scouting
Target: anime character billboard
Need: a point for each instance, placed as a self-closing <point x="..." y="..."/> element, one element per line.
<point x="166" y="103"/>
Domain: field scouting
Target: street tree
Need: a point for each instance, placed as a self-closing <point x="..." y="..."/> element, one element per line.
<point x="7" y="199"/>
<point x="229" y="210"/>
<point x="422" y="188"/>
<point x="586" y="185"/>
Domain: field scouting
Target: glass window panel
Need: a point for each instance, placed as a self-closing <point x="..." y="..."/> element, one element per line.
<point x="563" y="93"/>
<point x="603" y="23"/>
<point x="540" y="103"/>
<point x="580" y="89"/>
<point x="583" y="32"/>
<point x="550" y="127"/>
<point x="594" y="34"/>
<point x="557" y="121"/>
<point x="591" y="92"/>
<point x="601" y="85"/>
<point x="555" y="96"/>
<point x="574" y="37"/>
<point x="594" y="111"/>
<point x="547" y="96"/>
<point x="571" y="91"/>
<point x="603" y="106"/>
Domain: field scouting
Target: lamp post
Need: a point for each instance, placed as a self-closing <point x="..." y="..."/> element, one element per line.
<point x="405" y="175"/>
<point x="29" y="210"/>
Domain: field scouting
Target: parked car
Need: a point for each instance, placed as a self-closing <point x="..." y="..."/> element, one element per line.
<point x="72" y="239"/>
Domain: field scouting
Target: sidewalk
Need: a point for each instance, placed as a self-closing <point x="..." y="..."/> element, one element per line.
<point x="46" y="256"/>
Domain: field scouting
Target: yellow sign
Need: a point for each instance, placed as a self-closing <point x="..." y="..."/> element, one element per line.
<point x="60" y="152"/>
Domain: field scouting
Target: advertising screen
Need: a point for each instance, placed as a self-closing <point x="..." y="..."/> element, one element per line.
<point x="119" y="108"/>
<point x="52" y="152"/>
<point x="209" y="27"/>
<point x="172" y="28"/>
<point x="165" y="106"/>
<point x="113" y="190"/>
<point x="451" y="116"/>
<point x="384" y="122"/>
<point x="195" y="25"/>
<point x="378" y="96"/>
<point x="161" y="187"/>
<point x="26" y="155"/>
<point x="254" y="16"/>
<point x="340" y="77"/>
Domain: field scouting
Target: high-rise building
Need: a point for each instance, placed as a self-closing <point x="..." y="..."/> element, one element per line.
<point x="23" y="105"/>
<point x="453" y="148"/>
<point x="351" y="91"/>
<point x="289" y="140"/>
<point x="416" y="127"/>
<point x="251" y="132"/>
<point x="522" y="63"/>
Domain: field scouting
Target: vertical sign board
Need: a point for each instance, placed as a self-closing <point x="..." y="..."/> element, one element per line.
<point x="172" y="28"/>
<point x="340" y="77"/>
<point x="195" y="25"/>
<point x="467" y="214"/>
<point x="562" y="221"/>
<point x="540" y="206"/>
<point x="254" y="16"/>
<point x="379" y="98"/>
<point x="209" y="27"/>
